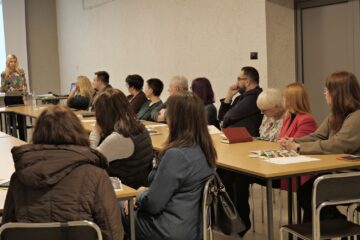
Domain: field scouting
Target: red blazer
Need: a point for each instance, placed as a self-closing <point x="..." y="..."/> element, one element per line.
<point x="302" y="125"/>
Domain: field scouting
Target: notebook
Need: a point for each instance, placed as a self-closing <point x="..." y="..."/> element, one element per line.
<point x="236" y="135"/>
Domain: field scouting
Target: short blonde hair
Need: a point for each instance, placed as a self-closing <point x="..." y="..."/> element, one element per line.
<point x="269" y="99"/>
<point x="296" y="98"/>
<point x="181" y="82"/>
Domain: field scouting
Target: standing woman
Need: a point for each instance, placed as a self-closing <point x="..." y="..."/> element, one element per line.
<point x="121" y="138"/>
<point x="13" y="83"/>
<point x="80" y="97"/>
<point x="338" y="133"/>
<point x="202" y="88"/>
<point x="171" y="207"/>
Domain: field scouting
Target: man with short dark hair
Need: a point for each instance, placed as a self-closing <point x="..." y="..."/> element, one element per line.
<point x="243" y="111"/>
<point x="100" y="83"/>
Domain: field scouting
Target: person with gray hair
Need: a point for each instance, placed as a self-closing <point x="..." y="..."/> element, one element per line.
<point x="270" y="103"/>
<point x="178" y="84"/>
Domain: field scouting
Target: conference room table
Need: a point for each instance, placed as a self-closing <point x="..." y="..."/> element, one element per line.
<point x="7" y="142"/>
<point x="237" y="158"/>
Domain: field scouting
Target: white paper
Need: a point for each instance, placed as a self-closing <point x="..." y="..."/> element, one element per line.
<point x="2" y="134"/>
<point x="88" y="120"/>
<point x="290" y="160"/>
<point x="213" y="130"/>
<point x="157" y="125"/>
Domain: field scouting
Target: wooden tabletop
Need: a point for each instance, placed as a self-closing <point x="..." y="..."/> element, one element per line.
<point x="127" y="192"/>
<point x="236" y="157"/>
<point x="231" y="156"/>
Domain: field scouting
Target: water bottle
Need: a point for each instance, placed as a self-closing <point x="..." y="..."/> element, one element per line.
<point x="33" y="100"/>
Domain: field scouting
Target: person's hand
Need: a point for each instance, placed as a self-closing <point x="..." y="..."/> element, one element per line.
<point x="233" y="89"/>
<point x="97" y="128"/>
<point x="288" y="143"/>
<point x="161" y="117"/>
<point x="126" y="207"/>
<point x="141" y="189"/>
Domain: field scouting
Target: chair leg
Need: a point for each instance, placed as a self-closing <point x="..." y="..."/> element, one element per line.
<point x="253" y="207"/>
<point x="262" y="205"/>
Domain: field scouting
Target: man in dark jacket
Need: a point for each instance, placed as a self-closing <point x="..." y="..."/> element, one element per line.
<point x="243" y="111"/>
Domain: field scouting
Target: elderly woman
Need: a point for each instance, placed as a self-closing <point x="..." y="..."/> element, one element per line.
<point x="270" y="102"/>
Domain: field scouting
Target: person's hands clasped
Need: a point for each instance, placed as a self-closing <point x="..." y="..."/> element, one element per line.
<point x="288" y="143"/>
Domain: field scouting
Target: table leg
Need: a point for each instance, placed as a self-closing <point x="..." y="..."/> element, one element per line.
<point x="298" y="208"/>
<point x="269" y="209"/>
<point x="13" y="121"/>
<point x="290" y="204"/>
<point x="132" y="219"/>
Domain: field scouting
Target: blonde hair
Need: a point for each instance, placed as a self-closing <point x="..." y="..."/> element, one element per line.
<point x="296" y="98"/>
<point x="8" y="70"/>
<point x="269" y="99"/>
<point x="181" y="82"/>
<point x="85" y="87"/>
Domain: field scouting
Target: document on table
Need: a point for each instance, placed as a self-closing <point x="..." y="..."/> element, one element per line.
<point x="2" y="134"/>
<point x="213" y="130"/>
<point x="290" y="160"/>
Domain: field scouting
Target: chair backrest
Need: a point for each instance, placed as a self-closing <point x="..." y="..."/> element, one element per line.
<point x="206" y="216"/>
<point x="337" y="188"/>
<point x="75" y="230"/>
<point x="333" y="189"/>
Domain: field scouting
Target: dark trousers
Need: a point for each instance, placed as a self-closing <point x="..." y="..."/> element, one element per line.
<point x="237" y="186"/>
<point x="21" y="120"/>
<point x="304" y="196"/>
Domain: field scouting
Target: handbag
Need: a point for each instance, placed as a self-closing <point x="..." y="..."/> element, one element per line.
<point x="224" y="216"/>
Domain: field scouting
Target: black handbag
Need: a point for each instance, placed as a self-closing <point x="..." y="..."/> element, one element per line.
<point x="224" y="216"/>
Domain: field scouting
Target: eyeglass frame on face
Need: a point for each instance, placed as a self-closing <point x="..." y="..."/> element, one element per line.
<point x="240" y="78"/>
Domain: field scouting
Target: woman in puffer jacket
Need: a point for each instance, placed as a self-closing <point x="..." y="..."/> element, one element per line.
<point x="59" y="178"/>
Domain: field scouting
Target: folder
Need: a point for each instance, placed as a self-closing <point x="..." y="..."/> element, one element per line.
<point x="236" y="135"/>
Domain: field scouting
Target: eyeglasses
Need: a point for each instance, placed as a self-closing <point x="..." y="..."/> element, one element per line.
<point x="240" y="78"/>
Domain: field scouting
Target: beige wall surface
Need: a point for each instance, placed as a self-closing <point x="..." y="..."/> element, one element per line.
<point x="280" y="35"/>
<point x="162" y="38"/>
<point x="15" y="31"/>
<point x="42" y="46"/>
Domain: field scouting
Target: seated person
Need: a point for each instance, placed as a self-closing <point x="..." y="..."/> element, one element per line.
<point x="80" y="97"/>
<point x="121" y="138"/>
<point x="137" y="97"/>
<point x="270" y="102"/>
<point x="153" y="89"/>
<point x="242" y="112"/>
<point x="338" y="133"/>
<point x="59" y="178"/>
<point x="298" y="121"/>
<point x="171" y="207"/>
<point x="178" y="84"/>
<point x="100" y="83"/>
<point x="202" y="88"/>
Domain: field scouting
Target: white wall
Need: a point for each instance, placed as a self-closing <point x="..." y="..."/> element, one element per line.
<point x="162" y="38"/>
<point x="15" y="31"/>
<point x="280" y="35"/>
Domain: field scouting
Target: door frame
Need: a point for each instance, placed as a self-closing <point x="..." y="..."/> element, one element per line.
<point x="354" y="8"/>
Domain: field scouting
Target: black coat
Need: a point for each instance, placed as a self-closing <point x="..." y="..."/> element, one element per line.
<point x="242" y="112"/>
